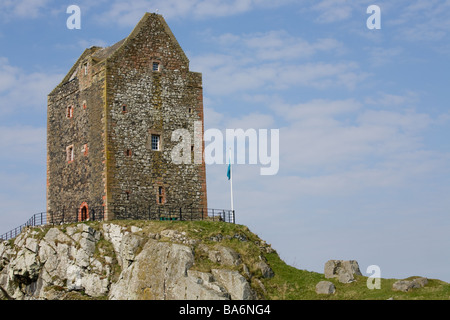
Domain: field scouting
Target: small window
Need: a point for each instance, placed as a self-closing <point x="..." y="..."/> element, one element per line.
<point x="124" y="108"/>
<point x="84" y="105"/>
<point x="156" y="66"/>
<point x="190" y="110"/>
<point x="85" y="150"/>
<point x="156" y="139"/>
<point x="128" y="153"/>
<point x="69" y="154"/>
<point x="127" y="195"/>
<point x="85" y="67"/>
<point x="161" y="195"/>
<point x="69" y="113"/>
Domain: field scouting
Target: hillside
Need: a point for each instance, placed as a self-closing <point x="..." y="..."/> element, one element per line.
<point x="168" y="260"/>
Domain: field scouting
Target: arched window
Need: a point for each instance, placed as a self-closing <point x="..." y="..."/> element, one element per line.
<point x="83" y="214"/>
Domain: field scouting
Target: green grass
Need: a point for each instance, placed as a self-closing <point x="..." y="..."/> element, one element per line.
<point x="290" y="283"/>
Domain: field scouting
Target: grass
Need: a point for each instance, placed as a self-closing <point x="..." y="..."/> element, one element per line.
<point x="290" y="283"/>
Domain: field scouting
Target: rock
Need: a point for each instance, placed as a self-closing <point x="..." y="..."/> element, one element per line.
<point x="74" y="278"/>
<point x="114" y="234"/>
<point x="128" y="248"/>
<point x="421" y="281"/>
<point x="55" y="236"/>
<point x="94" y="285"/>
<point x="225" y="256"/>
<point x="266" y="271"/>
<point x="234" y="283"/>
<point x="132" y="266"/>
<point x="344" y="270"/>
<point x="325" y="287"/>
<point x="407" y="285"/>
<point x="199" y="286"/>
<point x="153" y="274"/>
<point x="26" y="266"/>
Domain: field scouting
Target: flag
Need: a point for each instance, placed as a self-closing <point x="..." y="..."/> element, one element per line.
<point x="229" y="171"/>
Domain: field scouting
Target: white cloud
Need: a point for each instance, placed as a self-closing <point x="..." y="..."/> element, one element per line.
<point x="379" y="56"/>
<point x="21" y="8"/>
<point x="318" y="108"/>
<point x="276" y="45"/>
<point x="129" y="13"/>
<point x="22" y="141"/>
<point x="382" y="99"/>
<point x="20" y="91"/>
<point x="333" y="10"/>
<point x="224" y="74"/>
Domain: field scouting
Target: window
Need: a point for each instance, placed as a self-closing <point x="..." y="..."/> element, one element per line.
<point x="156" y="66"/>
<point x="69" y="154"/>
<point x="85" y="149"/>
<point x="124" y="108"/>
<point x="128" y="153"/>
<point x="161" y="195"/>
<point x="85" y="67"/>
<point x="84" y="105"/>
<point x="83" y="214"/>
<point x="156" y="139"/>
<point x="127" y="195"/>
<point x="69" y="113"/>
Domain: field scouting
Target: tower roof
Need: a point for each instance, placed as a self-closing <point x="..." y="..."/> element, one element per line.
<point x="99" y="54"/>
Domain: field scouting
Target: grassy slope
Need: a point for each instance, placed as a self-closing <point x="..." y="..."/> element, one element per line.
<point x="290" y="283"/>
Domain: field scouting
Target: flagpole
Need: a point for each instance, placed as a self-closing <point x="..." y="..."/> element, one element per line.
<point x="231" y="189"/>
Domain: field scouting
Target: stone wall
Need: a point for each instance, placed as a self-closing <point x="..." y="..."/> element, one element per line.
<point x="142" y="102"/>
<point x="71" y="183"/>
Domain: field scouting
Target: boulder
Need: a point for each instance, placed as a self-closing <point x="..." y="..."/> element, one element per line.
<point x="234" y="283"/>
<point x="344" y="270"/>
<point x="407" y="285"/>
<point x="325" y="287"/>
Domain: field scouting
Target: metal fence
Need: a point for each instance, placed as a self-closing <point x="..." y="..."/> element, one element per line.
<point x="36" y="220"/>
<point x="123" y="213"/>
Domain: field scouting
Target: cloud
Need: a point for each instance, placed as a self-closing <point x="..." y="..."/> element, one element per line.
<point x="423" y="20"/>
<point x="274" y="60"/>
<point x="276" y="45"/>
<point x="333" y="10"/>
<point x="380" y="56"/>
<point x="129" y="13"/>
<point x="393" y="100"/>
<point x="23" y="143"/>
<point x="21" y="91"/>
<point x="21" y="8"/>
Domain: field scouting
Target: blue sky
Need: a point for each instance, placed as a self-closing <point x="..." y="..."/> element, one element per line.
<point x="363" y="117"/>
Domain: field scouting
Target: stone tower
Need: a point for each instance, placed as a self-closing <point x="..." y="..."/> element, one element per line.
<point x="110" y="125"/>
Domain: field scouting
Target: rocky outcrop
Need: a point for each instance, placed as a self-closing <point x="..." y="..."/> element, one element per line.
<point x="344" y="270"/>
<point x="117" y="262"/>
<point x="407" y="285"/>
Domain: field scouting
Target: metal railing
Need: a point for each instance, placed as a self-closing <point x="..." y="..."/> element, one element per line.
<point x="161" y="213"/>
<point x="36" y="220"/>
